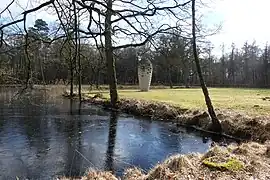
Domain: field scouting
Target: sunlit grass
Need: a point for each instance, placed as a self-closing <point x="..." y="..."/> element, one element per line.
<point x="248" y="101"/>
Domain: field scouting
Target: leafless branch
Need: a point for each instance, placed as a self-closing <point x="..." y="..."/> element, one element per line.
<point x="148" y="12"/>
<point x="6" y="8"/>
<point x="148" y="38"/>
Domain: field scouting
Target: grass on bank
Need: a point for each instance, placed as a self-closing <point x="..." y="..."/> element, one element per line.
<point x="248" y="101"/>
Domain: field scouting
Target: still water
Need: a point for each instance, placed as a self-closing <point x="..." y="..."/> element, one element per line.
<point x="43" y="136"/>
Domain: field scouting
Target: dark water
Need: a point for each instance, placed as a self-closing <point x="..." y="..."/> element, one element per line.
<point x="43" y="136"/>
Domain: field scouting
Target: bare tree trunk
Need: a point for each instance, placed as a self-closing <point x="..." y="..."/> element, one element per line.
<point x="41" y="67"/>
<point x="71" y="72"/>
<point x="216" y="126"/>
<point x="265" y="63"/>
<point x="170" y="76"/>
<point x="42" y="72"/>
<point x="71" y="81"/>
<point x="223" y="66"/>
<point x="186" y="74"/>
<point x="77" y="51"/>
<point x="98" y="78"/>
<point x="28" y="64"/>
<point x="80" y="70"/>
<point x="109" y="55"/>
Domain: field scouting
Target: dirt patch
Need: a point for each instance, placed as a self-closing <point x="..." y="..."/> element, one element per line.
<point x="246" y="161"/>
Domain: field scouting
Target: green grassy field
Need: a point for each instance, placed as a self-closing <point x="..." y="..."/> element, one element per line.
<point x="242" y="100"/>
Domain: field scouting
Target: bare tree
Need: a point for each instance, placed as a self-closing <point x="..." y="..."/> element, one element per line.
<point x="223" y="65"/>
<point x="232" y="66"/>
<point x="216" y="126"/>
<point x="265" y="64"/>
<point x="109" y="54"/>
<point x="132" y="20"/>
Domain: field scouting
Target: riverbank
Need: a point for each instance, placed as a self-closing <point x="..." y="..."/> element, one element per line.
<point x="246" y="161"/>
<point x="239" y="126"/>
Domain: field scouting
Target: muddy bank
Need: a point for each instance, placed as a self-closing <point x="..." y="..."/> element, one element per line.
<point x="233" y="124"/>
<point x="246" y="161"/>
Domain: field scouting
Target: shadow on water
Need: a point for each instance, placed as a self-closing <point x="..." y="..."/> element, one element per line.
<point x="111" y="142"/>
<point x="44" y="136"/>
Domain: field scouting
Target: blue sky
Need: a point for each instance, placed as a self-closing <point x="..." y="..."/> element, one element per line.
<point x="242" y="20"/>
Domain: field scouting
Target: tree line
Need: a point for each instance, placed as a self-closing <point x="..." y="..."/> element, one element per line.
<point x="171" y="55"/>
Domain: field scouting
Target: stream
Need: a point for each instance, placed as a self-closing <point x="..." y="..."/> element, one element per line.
<point x="43" y="136"/>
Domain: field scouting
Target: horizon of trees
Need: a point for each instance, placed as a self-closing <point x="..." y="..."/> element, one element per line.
<point x="171" y="55"/>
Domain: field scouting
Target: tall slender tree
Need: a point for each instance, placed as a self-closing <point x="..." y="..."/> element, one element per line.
<point x="216" y="126"/>
<point x="265" y="65"/>
<point x="223" y="68"/>
<point x="109" y="54"/>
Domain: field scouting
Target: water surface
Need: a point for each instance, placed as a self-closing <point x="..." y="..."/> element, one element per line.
<point x="44" y="136"/>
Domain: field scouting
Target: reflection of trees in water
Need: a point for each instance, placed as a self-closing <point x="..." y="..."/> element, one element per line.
<point x="27" y="113"/>
<point x="37" y="131"/>
<point x="34" y="122"/>
<point x="28" y="117"/>
<point x="111" y="142"/>
<point x="71" y="106"/>
<point x="25" y="116"/>
<point x="2" y="117"/>
<point x="6" y="93"/>
<point x="73" y="132"/>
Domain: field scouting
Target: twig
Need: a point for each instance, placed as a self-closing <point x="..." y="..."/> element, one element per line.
<point x="6" y="7"/>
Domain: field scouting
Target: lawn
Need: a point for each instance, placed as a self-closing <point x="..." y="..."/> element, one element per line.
<point x="248" y="101"/>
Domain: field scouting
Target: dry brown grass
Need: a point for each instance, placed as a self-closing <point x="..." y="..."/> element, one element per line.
<point x="256" y="164"/>
<point x="253" y="157"/>
<point x="93" y="175"/>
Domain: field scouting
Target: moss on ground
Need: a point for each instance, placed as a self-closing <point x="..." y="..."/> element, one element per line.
<point x="231" y="164"/>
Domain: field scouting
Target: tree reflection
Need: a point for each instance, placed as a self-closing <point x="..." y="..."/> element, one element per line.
<point x="111" y="142"/>
<point x="73" y="132"/>
<point x="80" y="108"/>
<point x="71" y="106"/>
